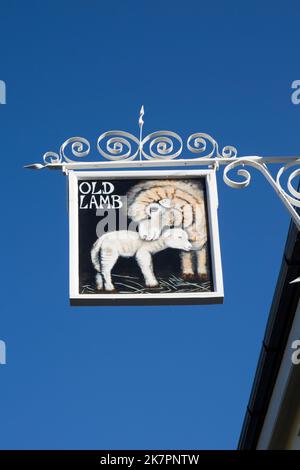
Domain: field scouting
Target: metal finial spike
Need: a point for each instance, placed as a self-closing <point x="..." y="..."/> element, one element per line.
<point x="142" y="112"/>
<point x="141" y="123"/>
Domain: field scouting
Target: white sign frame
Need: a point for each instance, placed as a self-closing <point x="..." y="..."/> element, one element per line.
<point x="215" y="296"/>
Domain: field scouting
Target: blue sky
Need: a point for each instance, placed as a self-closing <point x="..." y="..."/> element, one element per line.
<point x="137" y="377"/>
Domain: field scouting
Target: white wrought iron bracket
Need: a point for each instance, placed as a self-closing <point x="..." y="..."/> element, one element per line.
<point x="120" y="150"/>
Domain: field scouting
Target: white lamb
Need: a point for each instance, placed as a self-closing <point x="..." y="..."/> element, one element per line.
<point x="107" y="249"/>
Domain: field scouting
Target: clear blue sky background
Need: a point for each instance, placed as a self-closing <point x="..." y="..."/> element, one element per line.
<point x="137" y="377"/>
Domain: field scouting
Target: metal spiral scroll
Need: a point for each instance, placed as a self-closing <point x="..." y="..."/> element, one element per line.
<point x="161" y="145"/>
<point x="118" y="145"/>
<point x="80" y="148"/>
<point x="240" y="172"/>
<point x="294" y="196"/>
<point x="197" y="143"/>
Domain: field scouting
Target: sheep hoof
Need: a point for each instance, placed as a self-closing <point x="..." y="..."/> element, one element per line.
<point x="188" y="277"/>
<point x="105" y="291"/>
<point x="153" y="289"/>
<point x="203" y="277"/>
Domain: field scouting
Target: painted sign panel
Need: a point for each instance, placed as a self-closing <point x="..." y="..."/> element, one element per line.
<point x="144" y="237"/>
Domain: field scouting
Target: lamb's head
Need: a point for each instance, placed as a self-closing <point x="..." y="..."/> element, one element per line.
<point x="177" y="238"/>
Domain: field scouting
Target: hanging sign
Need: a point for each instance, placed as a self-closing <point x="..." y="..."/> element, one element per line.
<point x="146" y="237"/>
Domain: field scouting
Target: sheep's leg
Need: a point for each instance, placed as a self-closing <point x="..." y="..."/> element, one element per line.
<point x="144" y="260"/>
<point x="202" y="263"/>
<point x="187" y="266"/>
<point x="108" y="260"/>
<point x="99" y="281"/>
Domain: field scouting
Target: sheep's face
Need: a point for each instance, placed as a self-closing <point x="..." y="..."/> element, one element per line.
<point x="177" y="238"/>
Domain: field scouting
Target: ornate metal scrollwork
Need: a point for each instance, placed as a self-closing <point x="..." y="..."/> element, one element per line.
<point x="198" y="143"/>
<point x="240" y="172"/>
<point x="163" y="146"/>
<point x="77" y="149"/>
<point x="118" y="145"/>
<point x="294" y="196"/>
<point x="121" y="145"/>
<point x="290" y="197"/>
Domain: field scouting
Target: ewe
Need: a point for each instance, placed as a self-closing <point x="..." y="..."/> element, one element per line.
<point x="107" y="249"/>
<point x="155" y="204"/>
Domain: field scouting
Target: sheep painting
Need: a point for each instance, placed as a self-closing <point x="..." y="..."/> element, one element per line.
<point x="125" y="243"/>
<point x="154" y="242"/>
<point x="156" y="204"/>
